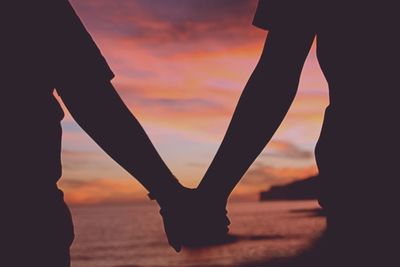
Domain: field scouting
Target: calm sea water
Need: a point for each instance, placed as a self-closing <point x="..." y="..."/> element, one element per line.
<point x="132" y="235"/>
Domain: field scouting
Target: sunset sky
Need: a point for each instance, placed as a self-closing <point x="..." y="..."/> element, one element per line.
<point x="180" y="66"/>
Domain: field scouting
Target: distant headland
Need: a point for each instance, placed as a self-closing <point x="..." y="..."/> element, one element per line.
<point x="306" y="189"/>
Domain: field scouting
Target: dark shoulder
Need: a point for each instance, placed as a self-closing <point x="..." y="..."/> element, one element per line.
<point x="37" y="10"/>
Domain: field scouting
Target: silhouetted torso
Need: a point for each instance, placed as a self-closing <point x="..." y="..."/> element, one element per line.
<point x="353" y="150"/>
<point x="45" y="46"/>
<point x="357" y="49"/>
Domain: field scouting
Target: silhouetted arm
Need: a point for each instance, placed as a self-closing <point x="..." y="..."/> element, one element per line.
<point x="82" y="78"/>
<point x="261" y="109"/>
<point x="99" y="110"/>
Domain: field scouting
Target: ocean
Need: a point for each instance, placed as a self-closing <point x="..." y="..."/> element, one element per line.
<point x="132" y="235"/>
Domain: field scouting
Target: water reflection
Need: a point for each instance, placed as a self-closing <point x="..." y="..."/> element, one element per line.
<point x="132" y="235"/>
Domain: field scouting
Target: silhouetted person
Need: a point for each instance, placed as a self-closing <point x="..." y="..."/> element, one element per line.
<point x="357" y="50"/>
<point x="45" y="46"/>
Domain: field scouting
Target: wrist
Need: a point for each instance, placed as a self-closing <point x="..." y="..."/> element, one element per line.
<point x="213" y="198"/>
<point x="166" y="192"/>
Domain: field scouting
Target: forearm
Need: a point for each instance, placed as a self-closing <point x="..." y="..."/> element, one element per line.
<point x="262" y="107"/>
<point x="256" y="119"/>
<point x="107" y="120"/>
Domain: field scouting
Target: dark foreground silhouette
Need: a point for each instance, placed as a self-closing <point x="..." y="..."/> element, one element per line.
<point x="357" y="49"/>
<point x="45" y="46"/>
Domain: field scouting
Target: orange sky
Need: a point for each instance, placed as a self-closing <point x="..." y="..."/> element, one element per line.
<point x="180" y="66"/>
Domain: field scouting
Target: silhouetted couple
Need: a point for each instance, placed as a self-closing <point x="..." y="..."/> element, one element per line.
<point x="45" y="46"/>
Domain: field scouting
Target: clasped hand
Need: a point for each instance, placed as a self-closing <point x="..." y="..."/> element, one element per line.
<point x="193" y="218"/>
